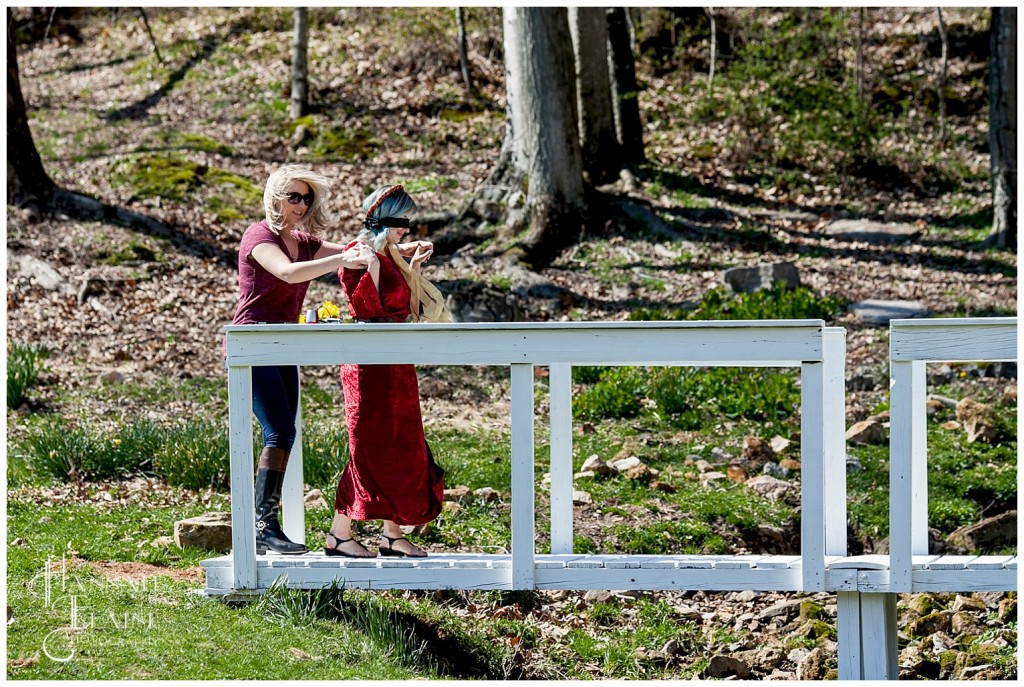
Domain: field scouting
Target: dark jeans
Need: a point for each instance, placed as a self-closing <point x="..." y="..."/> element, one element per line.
<point x="275" y="402"/>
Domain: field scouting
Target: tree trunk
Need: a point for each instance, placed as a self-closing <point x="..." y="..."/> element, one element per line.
<point x="599" y="146"/>
<point x="860" y="55"/>
<point x="541" y="152"/>
<point x="28" y="184"/>
<point x="714" y="46"/>
<point x="625" y="105"/>
<point x="943" y="67"/>
<point x="1002" y="126"/>
<point x="460" y="21"/>
<point x="300" y="70"/>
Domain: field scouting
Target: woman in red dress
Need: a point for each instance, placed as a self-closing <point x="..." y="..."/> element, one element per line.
<point x="391" y="474"/>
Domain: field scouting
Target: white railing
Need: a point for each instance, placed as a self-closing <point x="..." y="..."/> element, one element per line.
<point x="818" y="351"/>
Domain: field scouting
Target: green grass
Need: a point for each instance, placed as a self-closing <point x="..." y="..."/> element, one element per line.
<point x="24" y="365"/>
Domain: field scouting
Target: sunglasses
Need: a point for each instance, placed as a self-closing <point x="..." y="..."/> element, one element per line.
<point x="296" y="198"/>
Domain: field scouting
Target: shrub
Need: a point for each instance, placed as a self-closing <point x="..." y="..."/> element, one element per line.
<point x="24" y="364"/>
<point x="195" y="456"/>
<point x="56" y="448"/>
<point x="776" y="303"/>
<point x="618" y="394"/>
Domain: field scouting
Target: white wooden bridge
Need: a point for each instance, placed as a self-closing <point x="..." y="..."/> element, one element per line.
<point x="866" y="585"/>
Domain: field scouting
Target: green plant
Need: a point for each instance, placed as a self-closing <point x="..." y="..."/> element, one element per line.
<point x="617" y="394"/>
<point x="302" y="606"/>
<point x="195" y="456"/>
<point x="24" y="365"/>
<point x="56" y="448"/>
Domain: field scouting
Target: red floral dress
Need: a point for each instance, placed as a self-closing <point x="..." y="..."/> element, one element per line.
<point x="391" y="474"/>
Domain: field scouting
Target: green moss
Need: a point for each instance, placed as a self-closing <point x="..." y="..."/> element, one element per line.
<point x="810" y="610"/>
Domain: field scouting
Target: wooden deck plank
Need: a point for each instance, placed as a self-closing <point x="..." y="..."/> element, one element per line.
<point x="951" y="562"/>
<point x="872" y="561"/>
<point x="989" y="563"/>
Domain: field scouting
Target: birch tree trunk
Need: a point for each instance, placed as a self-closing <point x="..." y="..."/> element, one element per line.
<point x="460" y="21"/>
<point x="1002" y="126"/>
<point x="943" y="67"/>
<point x="625" y="106"/>
<point x="300" y="70"/>
<point x="599" y="146"/>
<point x="28" y="184"/>
<point x="541" y="154"/>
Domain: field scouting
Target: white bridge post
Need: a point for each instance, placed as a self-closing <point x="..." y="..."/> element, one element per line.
<point x="243" y="506"/>
<point x="522" y="477"/>
<point x="293" y="509"/>
<point x="560" y="402"/>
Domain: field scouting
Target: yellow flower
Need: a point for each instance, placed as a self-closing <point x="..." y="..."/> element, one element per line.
<point x="328" y="309"/>
<point x="302" y="319"/>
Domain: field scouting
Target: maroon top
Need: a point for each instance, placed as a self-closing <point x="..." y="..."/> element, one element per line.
<point x="262" y="296"/>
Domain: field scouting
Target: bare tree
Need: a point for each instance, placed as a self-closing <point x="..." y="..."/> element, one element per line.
<point x="28" y="184"/>
<point x="460" y="20"/>
<point x="300" y="69"/>
<point x="1002" y="125"/>
<point x="714" y="40"/>
<point x="588" y="27"/>
<point x="539" y="167"/>
<point x="860" y="55"/>
<point x="625" y="105"/>
<point x="944" y="66"/>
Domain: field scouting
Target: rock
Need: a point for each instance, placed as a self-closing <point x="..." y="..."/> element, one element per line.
<point x="951" y="426"/>
<point x="853" y="464"/>
<point x="720" y="455"/>
<point x="624" y="464"/>
<point x="866" y="432"/>
<point x="978" y="419"/>
<point x="870" y="231"/>
<point x="967" y="603"/>
<point x="747" y="595"/>
<point x="923" y="604"/>
<point x="779" y="444"/>
<point x="997" y="531"/>
<point x="813" y="665"/>
<point x="207" y="531"/>
<point x="581" y="498"/>
<point x="937" y="621"/>
<point x="487" y="494"/>
<point x="451" y="507"/>
<point x="771" y="488"/>
<point x="663" y="487"/>
<point x="671" y="648"/>
<point x="775" y="470"/>
<point x="598" y="596"/>
<point x="723" y="666"/>
<point x="790" y="464"/>
<point x="456" y="493"/>
<point x="975" y="672"/>
<point x="1007" y="610"/>
<point x="596" y="465"/>
<point x="763" y="276"/>
<point x="736" y="473"/>
<point x="704" y="466"/>
<point x="963" y="622"/>
<point x="757" y="449"/>
<point x="708" y="479"/>
<point x="783" y="609"/>
<point x="315" y="500"/>
<point x="809" y="610"/>
<point x="40" y="273"/>
<point x="874" y="311"/>
<point x="639" y="472"/>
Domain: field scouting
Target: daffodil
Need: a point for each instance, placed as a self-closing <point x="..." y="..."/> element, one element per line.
<point x="302" y="318"/>
<point x="328" y="309"/>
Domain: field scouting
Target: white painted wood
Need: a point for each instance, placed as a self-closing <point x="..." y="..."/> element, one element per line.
<point x="878" y="632"/>
<point x="771" y="343"/>
<point x="842" y="581"/>
<point x="1012" y="563"/>
<point x="778" y="562"/>
<point x="951" y="563"/>
<point x="523" y="536"/>
<point x="954" y="339"/>
<point x="928" y="580"/>
<point x="872" y="561"/>
<point x="812" y="450"/>
<point x="668" y="579"/>
<point x="922" y="562"/>
<point x="849" y="636"/>
<point x="293" y="508"/>
<point x="834" y="428"/>
<point x="901" y="484"/>
<point x="560" y="402"/>
<point x="243" y="505"/>
<point x="989" y="563"/>
<point x="919" y="459"/>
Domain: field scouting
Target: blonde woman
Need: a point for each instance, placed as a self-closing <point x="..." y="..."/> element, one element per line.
<point x="277" y="259"/>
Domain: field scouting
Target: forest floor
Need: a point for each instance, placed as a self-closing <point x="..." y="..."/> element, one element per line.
<point x="140" y="308"/>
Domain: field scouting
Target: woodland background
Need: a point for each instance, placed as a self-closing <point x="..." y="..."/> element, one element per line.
<point x="760" y="131"/>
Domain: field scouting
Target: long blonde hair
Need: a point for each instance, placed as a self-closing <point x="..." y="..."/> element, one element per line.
<point x="274" y="196"/>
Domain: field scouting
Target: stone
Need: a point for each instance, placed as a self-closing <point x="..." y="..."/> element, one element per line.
<point x="779" y="444"/>
<point x="771" y="488"/>
<point x="581" y="498"/>
<point x="207" y="531"/>
<point x="624" y="464"/>
<point x="671" y="648"/>
<point x="757" y="449"/>
<point x="963" y="622"/>
<point x="866" y="432"/>
<point x="747" y="595"/>
<point x="596" y="465"/>
<point x="639" y="472"/>
<point x="951" y="426"/>
<point x="736" y="473"/>
<point x="451" y="507"/>
<point x="762" y="276"/>
<point x="813" y="665"/>
<point x="790" y="464"/>
<point x="997" y="531"/>
<point x="873" y="311"/>
<point x="315" y="500"/>
<point x="937" y="621"/>
<point x="853" y="464"/>
<point x="456" y="493"/>
<point x="809" y="610"/>
<point x="724" y="666"/>
<point x="40" y="273"/>
<point x="978" y="420"/>
<point x="704" y="466"/>
<point x="781" y="609"/>
<point x="598" y="596"/>
<point x="708" y="479"/>
<point x="720" y="455"/>
<point x="775" y="470"/>
<point x="487" y="494"/>
<point x="870" y="231"/>
<point x="967" y="603"/>
<point x="1007" y="610"/>
<point x="974" y="672"/>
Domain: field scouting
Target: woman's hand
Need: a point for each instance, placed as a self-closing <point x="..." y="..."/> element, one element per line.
<point x="409" y="249"/>
<point x="422" y="253"/>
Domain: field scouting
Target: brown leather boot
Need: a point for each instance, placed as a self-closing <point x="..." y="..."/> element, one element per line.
<point x="269" y="480"/>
